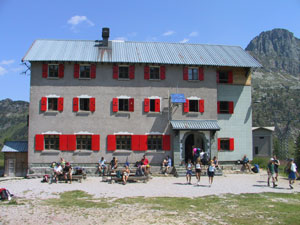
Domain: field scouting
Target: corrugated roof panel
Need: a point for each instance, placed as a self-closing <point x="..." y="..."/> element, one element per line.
<point x="15" y="146"/>
<point x="140" y="52"/>
<point x="195" y="125"/>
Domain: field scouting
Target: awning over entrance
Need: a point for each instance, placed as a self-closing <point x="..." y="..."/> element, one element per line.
<point x="195" y="125"/>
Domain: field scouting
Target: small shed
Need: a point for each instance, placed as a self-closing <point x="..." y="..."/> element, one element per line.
<point x="262" y="141"/>
<point x="15" y="158"/>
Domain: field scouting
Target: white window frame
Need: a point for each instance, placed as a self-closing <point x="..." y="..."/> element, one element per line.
<point x="52" y="96"/>
<point x="153" y="98"/>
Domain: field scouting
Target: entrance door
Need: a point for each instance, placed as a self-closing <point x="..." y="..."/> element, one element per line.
<point x="189" y="142"/>
<point x="11" y="167"/>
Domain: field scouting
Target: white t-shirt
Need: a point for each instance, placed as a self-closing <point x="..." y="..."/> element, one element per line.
<point x="201" y="155"/>
<point x="198" y="166"/>
<point x="58" y="169"/>
<point x="211" y="169"/>
<point x="293" y="167"/>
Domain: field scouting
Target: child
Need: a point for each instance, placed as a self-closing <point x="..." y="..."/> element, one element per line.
<point x="198" y="170"/>
<point x="271" y="172"/>
<point x="292" y="173"/>
<point x="189" y="166"/>
<point x="126" y="173"/>
<point x="211" y="172"/>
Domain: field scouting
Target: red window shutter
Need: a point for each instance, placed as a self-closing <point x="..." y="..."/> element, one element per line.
<point x="115" y="72"/>
<point x="63" y="142"/>
<point x="45" y="71"/>
<point x="230" y="77"/>
<point x="76" y="71"/>
<point x="111" y="142"/>
<point x="93" y="71"/>
<point x="60" y="106"/>
<point x="185" y="73"/>
<point x="231" y="144"/>
<point x="186" y="106"/>
<point x="219" y="144"/>
<point x="162" y="72"/>
<point x="157" y="105"/>
<point x="72" y="142"/>
<point x="201" y="105"/>
<point x="143" y="142"/>
<point x="231" y="106"/>
<point x="218" y="107"/>
<point x="200" y="73"/>
<point x="217" y="76"/>
<point x="61" y="70"/>
<point x="131" y="105"/>
<point x="146" y="72"/>
<point x="92" y="104"/>
<point x="44" y="104"/>
<point x="115" y="105"/>
<point x="75" y="104"/>
<point x="39" y="142"/>
<point x="166" y="142"/>
<point x="135" y="142"/>
<point x="96" y="142"/>
<point x="131" y="72"/>
<point x="146" y="105"/>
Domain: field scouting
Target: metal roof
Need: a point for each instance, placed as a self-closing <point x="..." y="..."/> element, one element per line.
<point x="15" y="146"/>
<point x="195" y="125"/>
<point x="140" y="52"/>
<point x="266" y="128"/>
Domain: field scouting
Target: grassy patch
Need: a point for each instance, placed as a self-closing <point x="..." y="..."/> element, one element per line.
<point x="77" y="199"/>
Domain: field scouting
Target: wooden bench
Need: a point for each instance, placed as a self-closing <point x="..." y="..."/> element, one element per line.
<point x="76" y="177"/>
<point x="132" y="177"/>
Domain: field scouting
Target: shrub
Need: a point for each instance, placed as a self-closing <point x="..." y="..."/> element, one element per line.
<point x="262" y="162"/>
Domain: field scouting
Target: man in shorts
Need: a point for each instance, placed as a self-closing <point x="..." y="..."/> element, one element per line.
<point x="271" y="172"/>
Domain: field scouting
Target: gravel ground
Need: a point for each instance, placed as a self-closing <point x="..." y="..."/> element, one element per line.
<point x="156" y="187"/>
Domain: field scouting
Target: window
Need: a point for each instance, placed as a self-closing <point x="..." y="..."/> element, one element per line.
<point x="85" y="71"/>
<point x="154" y="142"/>
<point x="152" y="105"/>
<point x="225" y="107"/>
<point x="123" y="142"/>
<point x="154" y="73"/>
<point x="256" y="150"/>
<point x="193" y="106"/>
<point x="52" y="104"/>
<point x="51" y="142"/>
<point x="84" y="142"/>
<point x="123" y="72"/>
<point x="123" y="104"/>
<point x="261" y="137"/>
<point x="193" y="73"/>
<point x="53" y="71"/>
<point x="224" y="144"/>
<point x="84" y="104"/>
<point x="224" y="77"/>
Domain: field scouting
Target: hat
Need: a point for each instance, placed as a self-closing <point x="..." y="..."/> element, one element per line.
<point x="272" y="159"/>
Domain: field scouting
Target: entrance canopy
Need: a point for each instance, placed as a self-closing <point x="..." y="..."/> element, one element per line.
<point x="195" y="125"/>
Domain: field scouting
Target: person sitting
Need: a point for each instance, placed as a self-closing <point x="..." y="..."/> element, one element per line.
<point x="113" y="165"/>
<point x="57" y="170"/>
<point x="101" y="166"/>
<point x="125" y="174"/>
<point x="245" y="162"/>
<point x="216" y="162"/>
<point x="166" y="165"/>
<point x="145" y="165"/>
<point x="68" y="172"/>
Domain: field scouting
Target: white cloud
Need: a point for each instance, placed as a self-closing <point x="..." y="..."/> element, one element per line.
<point x="194" y="34"/>
<point x="76" y="20"/>
<point x="2" y="71"/>
<point x="185" y="40"/>
<point x="168" y="33"/>
<point x="7" y="62"/>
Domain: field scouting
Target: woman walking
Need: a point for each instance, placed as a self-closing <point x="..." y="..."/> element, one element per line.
<point x="198" y="170"/>
<point x="211" y="172"/>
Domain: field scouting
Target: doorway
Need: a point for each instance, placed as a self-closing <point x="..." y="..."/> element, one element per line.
<point x="11" y="167"/>
<point x="189" y="142"/>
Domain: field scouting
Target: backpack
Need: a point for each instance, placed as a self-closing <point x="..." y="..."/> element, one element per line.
<point x="118" y="174"/>
<point x="5" y="194"/>
<point x="197" y="154"/>
<point x="205" y="159"/>
<point x="45" y="179"/>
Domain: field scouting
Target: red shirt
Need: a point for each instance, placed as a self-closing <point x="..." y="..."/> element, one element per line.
<point x="145" y="161"/>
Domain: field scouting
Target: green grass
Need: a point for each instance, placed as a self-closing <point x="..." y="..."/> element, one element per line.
<point x="264" y="208"/>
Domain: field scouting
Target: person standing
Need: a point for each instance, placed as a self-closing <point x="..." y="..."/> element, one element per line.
<point x="271" y="172"/>
<point x="211" y="172"/>
<point x="189" y="167"/>
<point x="198" y="170"/>
<point x="292" y="172"/>
<point x="276" y="167"/>
<point x="102" y="166"/>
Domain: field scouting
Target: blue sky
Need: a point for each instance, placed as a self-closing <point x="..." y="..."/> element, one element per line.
<point x="229" y="22"/>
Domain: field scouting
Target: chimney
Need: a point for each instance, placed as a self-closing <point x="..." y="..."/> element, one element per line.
<point x="105" y="36"/>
